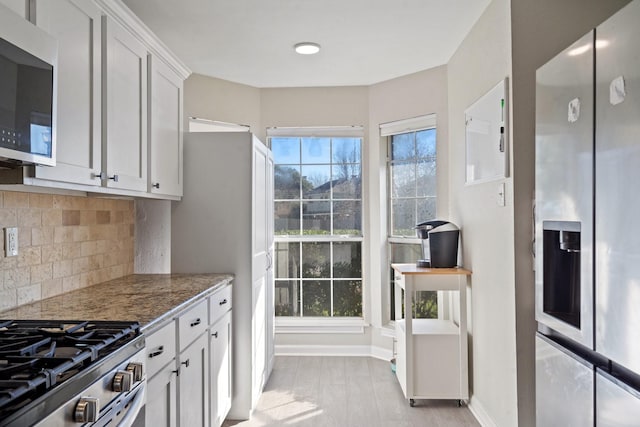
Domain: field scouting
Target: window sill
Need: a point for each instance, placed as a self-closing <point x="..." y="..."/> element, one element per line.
<point x="388" y="330"/>
<point x="320" y="325"/>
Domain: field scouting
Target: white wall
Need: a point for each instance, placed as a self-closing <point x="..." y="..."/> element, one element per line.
<point x="401" y="98"/>
<point x="483" y="60"/>
<point x="152" y="236"/>
<point x="216" y="99"/>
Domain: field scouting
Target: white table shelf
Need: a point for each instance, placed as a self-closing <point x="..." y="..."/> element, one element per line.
<point x="432" y="354"/>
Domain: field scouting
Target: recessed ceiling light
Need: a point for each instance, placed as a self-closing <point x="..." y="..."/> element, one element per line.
<point x="307" y="48"/>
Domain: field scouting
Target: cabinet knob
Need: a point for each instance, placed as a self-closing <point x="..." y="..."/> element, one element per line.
<point x="185" y="363"/>
<point x="156" y="185"/>
<point x="195" y="322"/>
<point x="114" y="178"/>
<point x="86" y="410"/>
<point x="215" y="334"/>
<point x="223" y="302"/>
<point x="100" y="175"/>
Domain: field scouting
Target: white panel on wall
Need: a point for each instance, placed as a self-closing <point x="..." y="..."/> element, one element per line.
<point x="486" y="136"/>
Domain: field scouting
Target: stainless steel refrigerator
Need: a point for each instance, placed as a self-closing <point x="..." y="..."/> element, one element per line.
<point x="587" y="233"/>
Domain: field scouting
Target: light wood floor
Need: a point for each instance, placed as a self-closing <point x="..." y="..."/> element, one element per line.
<point x="345" y="392"/>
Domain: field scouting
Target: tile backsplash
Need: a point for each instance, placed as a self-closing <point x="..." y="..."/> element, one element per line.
<point x="64" y="243"/>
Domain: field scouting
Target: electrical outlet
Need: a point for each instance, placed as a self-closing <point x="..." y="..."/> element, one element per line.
<point x="11" y="241"/>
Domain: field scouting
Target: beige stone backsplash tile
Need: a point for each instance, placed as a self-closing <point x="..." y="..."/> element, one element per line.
<point x="8" y="217"/>
<point x="71" y="250"/>
<point x="52" y="253"/>
<point x="41" y="272"/>
<point x="62" y="268"/>
<point x="81" y="265"/>
<point x="65" y="243"/>
<point x="29" y="218"/>
<point x="71" y="283"/>
<point x="87" y="217"/>
<point x="44" y="201"/>
<point x="41" y="236"/>
<point x="15" y="200"/>
<point x="28" y="256"/>
<point x="81" y="233"/>
<point x="29" y="293"/>
<point x="51" y="287"/>
<point x="8" y="298"/>
<point x="51" y="217"/>
<point x="17" y="277"/>
<point x="63" y="234"/>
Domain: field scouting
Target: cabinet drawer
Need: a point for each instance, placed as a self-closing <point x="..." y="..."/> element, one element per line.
<point x="219" y="304"/>
<point x="192" y="324"/>
<point x="161" y="348"/>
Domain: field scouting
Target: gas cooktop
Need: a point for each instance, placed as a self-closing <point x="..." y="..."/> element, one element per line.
<point x="38" y="358"/>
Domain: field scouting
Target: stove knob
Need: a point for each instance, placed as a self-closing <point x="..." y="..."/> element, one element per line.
<point x="122" y="381"/>
<point x="137" y="369"/>
<point x="87" y="410"/>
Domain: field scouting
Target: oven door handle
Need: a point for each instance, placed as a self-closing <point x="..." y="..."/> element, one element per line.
<point x="134" y="407"/>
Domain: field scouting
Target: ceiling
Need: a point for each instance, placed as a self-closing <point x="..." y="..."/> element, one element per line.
<point x="363" y="41"/>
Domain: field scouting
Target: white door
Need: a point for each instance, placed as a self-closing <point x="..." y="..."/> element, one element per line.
<point x="77" y="27"/>
<point x="165" y="117"/>
<point x="260" y="247"/>
<point x="160" y="410"/>
<point x="125" y="96"/>
<point x="270" y="308"/>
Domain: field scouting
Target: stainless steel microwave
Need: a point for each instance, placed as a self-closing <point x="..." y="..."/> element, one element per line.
<point x="28" y="59"/>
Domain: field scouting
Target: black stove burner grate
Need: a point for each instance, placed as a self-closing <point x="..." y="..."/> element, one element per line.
<point x="35" y="355"/>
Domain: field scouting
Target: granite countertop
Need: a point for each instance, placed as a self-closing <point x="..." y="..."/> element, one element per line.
<point x="150" y="299"/>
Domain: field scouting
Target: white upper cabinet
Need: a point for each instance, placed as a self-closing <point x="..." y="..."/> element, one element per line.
<point x="76" y="24"/>
<point x="165" y="125"/>
<point x="124" y="108"/>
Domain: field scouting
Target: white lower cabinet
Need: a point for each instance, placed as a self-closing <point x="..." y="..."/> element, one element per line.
<point x="161" y="409"/>
<point x="193" y="384"/>
<point x="220" y="353"/>
<point x="189" y="365"/>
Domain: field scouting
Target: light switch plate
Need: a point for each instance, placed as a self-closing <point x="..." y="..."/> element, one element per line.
<point x="11" y="241"/>
<point x="500" y="198"/>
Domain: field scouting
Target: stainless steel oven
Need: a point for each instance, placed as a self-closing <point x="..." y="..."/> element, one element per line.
<point x="71" y="373"/>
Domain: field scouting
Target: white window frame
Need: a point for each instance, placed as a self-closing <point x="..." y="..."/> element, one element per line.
<point x="327" y="325"/>
<point x="387" y="130"/>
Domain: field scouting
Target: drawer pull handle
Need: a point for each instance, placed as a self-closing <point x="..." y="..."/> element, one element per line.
<point x="158" y="352"/>
<point x="185" y="363"/>
<point x="223" y="302"/>
<point x="215" y="334"/>
<point x="195" y="322"/>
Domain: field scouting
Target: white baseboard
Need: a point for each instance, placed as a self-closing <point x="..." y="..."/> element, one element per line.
<point x="334" y="350"/>
<point x="478" y="411"/>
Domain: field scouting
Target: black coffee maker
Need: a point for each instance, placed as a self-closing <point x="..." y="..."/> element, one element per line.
<point x="439" y="244"/>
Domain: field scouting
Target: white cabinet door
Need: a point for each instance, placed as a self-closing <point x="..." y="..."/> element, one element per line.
<point x="124" y="109"/>
<point x="160" y="410"/>
<point x="261" y="261"/>
<point x="165" y="120"/>
<point x="193" y="384"/>
<point x="269" y="290"/>
<point x="76" y="25"/>
<point x="220" y="353"/>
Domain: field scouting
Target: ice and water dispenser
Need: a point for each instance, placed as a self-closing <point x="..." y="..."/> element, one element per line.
<point x="439" y="244"/>
<point x="561" y="270"/>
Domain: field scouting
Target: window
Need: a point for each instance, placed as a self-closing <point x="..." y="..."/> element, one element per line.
<point x="318" y="226"/>
<point x="411" y="172"/>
